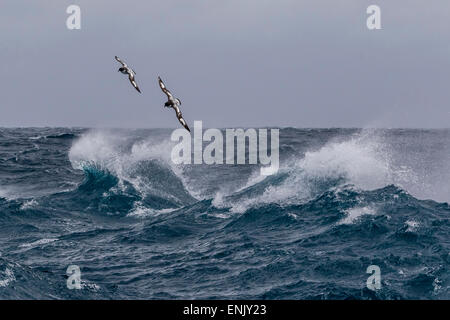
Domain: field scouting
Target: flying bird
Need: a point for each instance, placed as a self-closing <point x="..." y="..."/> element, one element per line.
<point x="130" y="72"/>
<point x="173" y="103"/>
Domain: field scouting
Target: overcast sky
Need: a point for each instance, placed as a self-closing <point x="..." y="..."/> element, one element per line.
<point x="231" y="62"/>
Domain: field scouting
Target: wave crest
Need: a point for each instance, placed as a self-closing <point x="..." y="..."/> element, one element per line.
<point x="122" y="161"/>
<point x="362" y="162"/>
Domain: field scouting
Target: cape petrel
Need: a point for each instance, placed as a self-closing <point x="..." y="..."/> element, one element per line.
<point x="173" y="103"/>
<point x="130" y="72"/>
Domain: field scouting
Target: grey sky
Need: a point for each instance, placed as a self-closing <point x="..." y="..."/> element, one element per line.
<point x="231" y="62"/>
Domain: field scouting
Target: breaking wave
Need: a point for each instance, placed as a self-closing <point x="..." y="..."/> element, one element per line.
<point x="140" y="227"/>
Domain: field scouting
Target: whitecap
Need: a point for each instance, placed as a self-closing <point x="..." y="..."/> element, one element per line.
<point x="38" y="243"/>
<point x="412" y="225"/>
<point x="354" y="214"/>
<point x="6" y="277"/>
<point x="28" y="204"/>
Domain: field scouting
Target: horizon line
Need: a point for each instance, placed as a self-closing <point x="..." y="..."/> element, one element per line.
<point x="237" y="127"/>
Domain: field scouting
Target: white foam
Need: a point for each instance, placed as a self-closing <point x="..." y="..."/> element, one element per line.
<point x="6" y="277"/>
<point x="218" y="200"/>
<point x="141" y="211"/>
<point x="220" y="215"/>
<point x="361" y="161"/>
<point x="412" y="225"/>
<point x="113" y="152"/>
<point x="38" y="243"/>
<point x="87" y="285"/>
<point x="28" y="204"/>
<point x="354" y="214"/>
<point x="96" y="148"/>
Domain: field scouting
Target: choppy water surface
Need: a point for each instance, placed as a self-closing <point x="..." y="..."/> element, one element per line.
<point x="140" y="227"/>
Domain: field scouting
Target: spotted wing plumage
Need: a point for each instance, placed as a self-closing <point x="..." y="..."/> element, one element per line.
<point x="133" y="82"/>
<point x="165" y="90"/>
<point x="121" y="62"/>
<point x="174" y="104"/>
<point x="130" y="73"/>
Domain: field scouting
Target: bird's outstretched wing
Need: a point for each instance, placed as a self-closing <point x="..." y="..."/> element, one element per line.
<point x="133" y="82"/>
<point x="184" y="124"/>
<point x="121" y="62"/>
<point x="164" y="89"/>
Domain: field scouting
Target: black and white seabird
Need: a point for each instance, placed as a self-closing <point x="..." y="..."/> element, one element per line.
<point x="173" y="103"/>
<point x="130" y="72"/>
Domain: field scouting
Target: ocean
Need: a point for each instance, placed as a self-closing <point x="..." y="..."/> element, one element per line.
<point x="112" y="202"/>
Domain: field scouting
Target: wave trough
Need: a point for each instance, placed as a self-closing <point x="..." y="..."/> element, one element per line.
<point x="140" y="227"/>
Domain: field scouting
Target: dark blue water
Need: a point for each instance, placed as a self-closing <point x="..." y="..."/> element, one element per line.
<point x="139" y="227"/>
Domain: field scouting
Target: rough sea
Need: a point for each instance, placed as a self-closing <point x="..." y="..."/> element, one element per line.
<point x="139" y="227"/>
